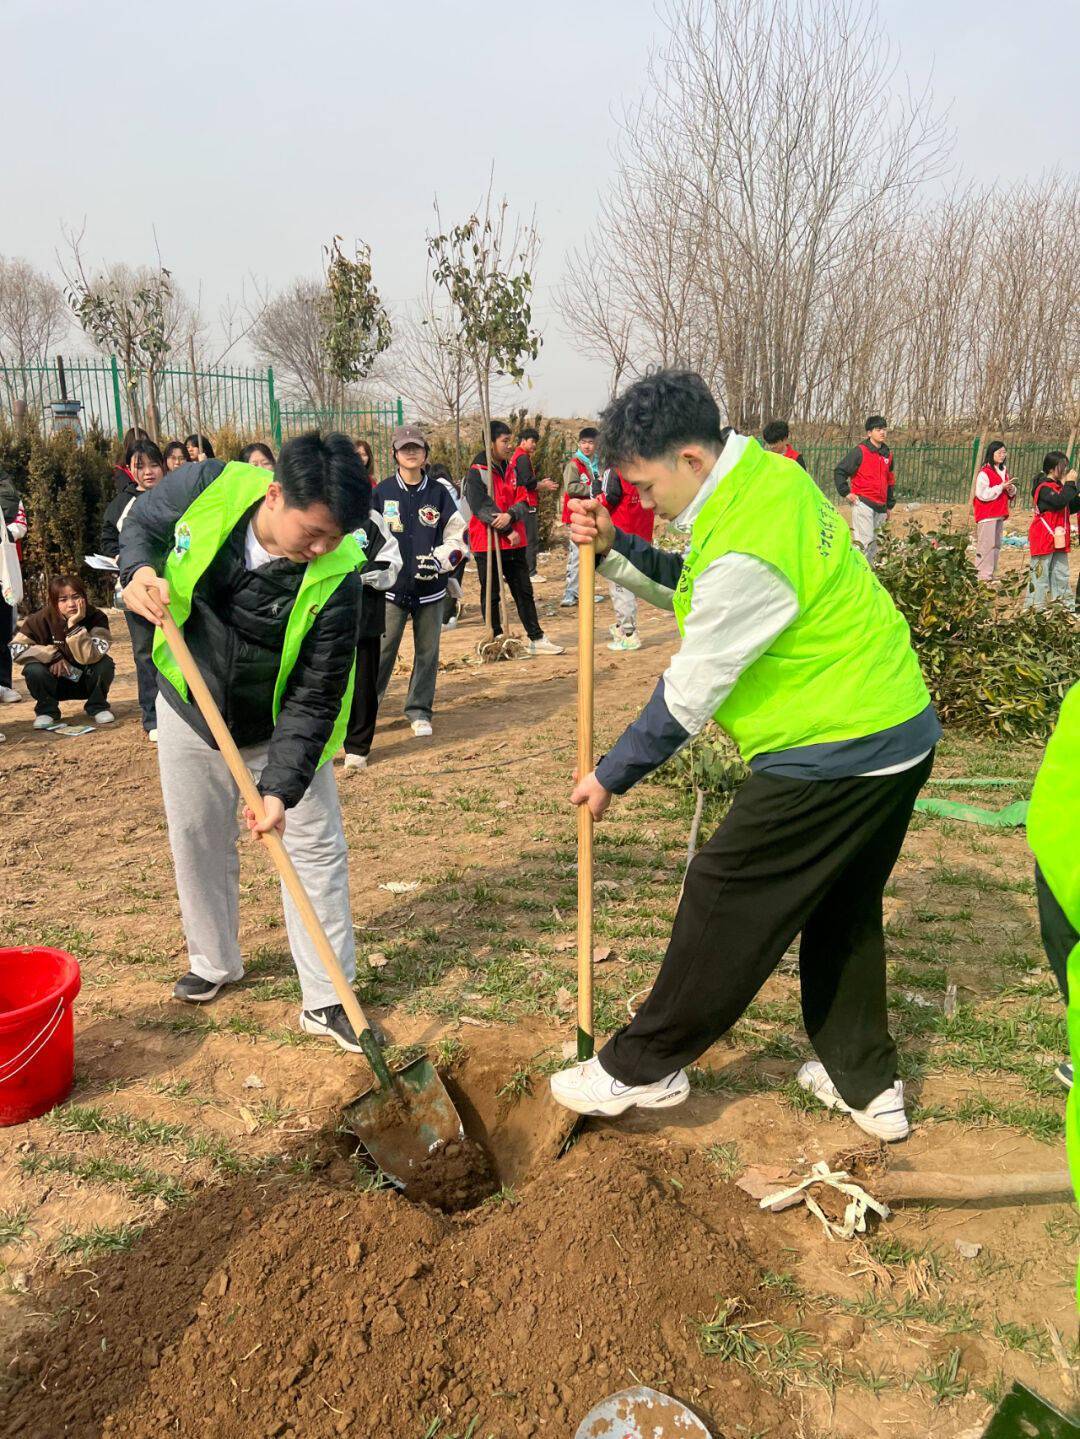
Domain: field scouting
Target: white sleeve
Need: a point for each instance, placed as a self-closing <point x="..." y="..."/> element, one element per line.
<point x="453" y="542"/>
<point x="376" y="577"/>
<point x="984" y="490"/>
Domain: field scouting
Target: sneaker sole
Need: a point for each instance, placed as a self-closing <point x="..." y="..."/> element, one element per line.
<point x="1062" y="1079"/>
<point x="200" y="998"/>
<point x="612" y="1108"/>
<point x="320" y="1031"/>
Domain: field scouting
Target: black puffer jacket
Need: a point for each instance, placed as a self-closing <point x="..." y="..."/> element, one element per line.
<point x="236" y="630"/>
<point x="115" y="516"/>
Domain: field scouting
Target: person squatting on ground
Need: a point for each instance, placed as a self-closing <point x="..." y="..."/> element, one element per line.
<point x="623" y="504"/>
<point x="1056" y="497"/>
<point x="260" y="572"/>
<point x="993" y="490"/>
<point x="792" y="645"/>
<point x="865" y="476"/>
<point x="144" y="466"/>
<point x="64" y="652"/>
<point x="380" y="572"/>
<point x="421" y="515"/>
<point x="519" y="470"/>
<point x="579" y="471"/>
<point x="13" y="517"/>
<point x="776" y="436"/>
<point x="502" y="512"/>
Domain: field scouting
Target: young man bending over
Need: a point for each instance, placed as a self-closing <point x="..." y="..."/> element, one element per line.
<point x="260" y="571"/>
<point x="792" y="645"/>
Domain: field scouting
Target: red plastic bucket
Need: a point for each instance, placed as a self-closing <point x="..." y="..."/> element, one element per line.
<point x="37" y="1039"/>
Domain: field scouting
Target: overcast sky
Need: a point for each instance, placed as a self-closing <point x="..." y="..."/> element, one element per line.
<point x="247" y="133"/>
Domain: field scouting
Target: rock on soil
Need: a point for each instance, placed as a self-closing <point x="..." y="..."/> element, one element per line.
<point x="296" y="1306"/>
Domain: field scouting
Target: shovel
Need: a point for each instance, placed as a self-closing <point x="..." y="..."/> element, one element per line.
<point x="1024" y="1415"/>
<point x="641" y="1413"/>
<point x="408" y="1114"/>
<point x="586" y="634"/>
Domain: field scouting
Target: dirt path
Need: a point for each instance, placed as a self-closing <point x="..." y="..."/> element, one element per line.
<point x="900" y="1334"/>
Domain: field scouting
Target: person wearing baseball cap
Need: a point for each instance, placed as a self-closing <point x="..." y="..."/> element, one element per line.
<point x="421" y="515"/>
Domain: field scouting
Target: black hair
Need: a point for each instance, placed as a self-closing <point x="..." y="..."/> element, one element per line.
<point x="132" y="437"/>
<point x="325" y="470"/>
<point x="176" y="445"/>
<point x="528" y="433"/>
<point x="439" y="472"/>
<point x="147" y="448"/>
<point x="201" y="443"/>
<point x="656" y="415"/>
<point x="1052" y="459"/>
<point x="248" y="450"/>
<point x="588" y="432"/>
<point x="994" y="445"/>
<point x="499" y="428"/>
<point x="775" y="431"/>
<point x="876" y="422"/>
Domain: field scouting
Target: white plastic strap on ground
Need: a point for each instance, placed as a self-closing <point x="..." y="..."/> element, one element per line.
<point x="37" y="1043"/>
<point x="854" y="1214"/>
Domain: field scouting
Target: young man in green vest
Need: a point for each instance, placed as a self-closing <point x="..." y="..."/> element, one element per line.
<point x="793" y="647"/>
<point x="260" y="570"/>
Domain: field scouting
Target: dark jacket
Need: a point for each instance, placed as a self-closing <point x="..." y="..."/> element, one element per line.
<point x="375" y="547"/>
<point x="423" y="519"/>
<point x="477" y="498"/>
<point x="1067" y="498"/>
<point x="112" y="522"/>
<point x="235" y="633"/>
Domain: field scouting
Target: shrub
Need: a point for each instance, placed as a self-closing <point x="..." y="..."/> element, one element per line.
<point x="990" y="665"/>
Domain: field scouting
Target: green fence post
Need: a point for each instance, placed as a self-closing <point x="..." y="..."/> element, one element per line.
<point x="400" y="412"/>
<point x="275" y="409"/>
<point x="974" y="456"/>
<point x="116" y="398"/>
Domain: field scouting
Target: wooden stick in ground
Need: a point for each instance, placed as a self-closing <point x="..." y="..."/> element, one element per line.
<point x="249" y="792"/>
<point x="586" y="628"/>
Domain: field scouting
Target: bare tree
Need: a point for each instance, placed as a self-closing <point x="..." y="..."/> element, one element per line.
<point x="291" y="337"/>
<point x="596" y="315"/>
<point x="33" y="313"/>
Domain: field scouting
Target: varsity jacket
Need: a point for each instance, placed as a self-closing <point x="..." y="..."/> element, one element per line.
<point x="425" y="522"/>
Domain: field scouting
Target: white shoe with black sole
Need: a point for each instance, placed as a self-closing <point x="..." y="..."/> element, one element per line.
<point x="884" y="1117"/>
<point x="331" y="1023"/>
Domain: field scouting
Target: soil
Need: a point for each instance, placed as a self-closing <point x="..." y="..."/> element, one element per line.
<point x="455" y="1176"/>
<point x="295" y="1308"/>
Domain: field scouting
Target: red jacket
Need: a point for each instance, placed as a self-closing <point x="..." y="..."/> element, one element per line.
<point x="992" y="509"/>
<point x="627" y="512"/>
<point x="874" y="478"/>
<point x="1046" y="526"/>
<point x="587" y="475"/>
<point x="791" y="454"/>
<point x="531" y="498"/>
<point x="504" y="494"/>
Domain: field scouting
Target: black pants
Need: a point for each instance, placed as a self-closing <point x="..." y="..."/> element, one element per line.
<point x="365" y="699"/>
<point x="515" y="567"/>
<point x="92" y="686"/>
<point x="7" y="629"/>
<point x="142" y="648"/>
<point x="532" y="538"/>
<point x="1058" y="936"/>
<point x="791" y="855"/>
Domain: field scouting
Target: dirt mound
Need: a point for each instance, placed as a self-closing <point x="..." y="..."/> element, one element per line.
<point x="301" y="1307"/>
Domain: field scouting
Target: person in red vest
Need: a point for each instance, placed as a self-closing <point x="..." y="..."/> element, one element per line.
<point x="865" y="476"/>
<point x="1055" y="495"/>
<point x="502" y="512"/>
<point x="776" y="437"/>
<point x="627" y="513"/>
<point x="519" y="468"/>
<point x="990" y="501"/>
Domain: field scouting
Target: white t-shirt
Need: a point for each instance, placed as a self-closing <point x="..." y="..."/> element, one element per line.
<point x="254" y="554"/>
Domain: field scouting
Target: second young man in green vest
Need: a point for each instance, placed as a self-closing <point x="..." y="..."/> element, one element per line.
<point x="791" y="644"/>
<point x="260" y="570"/>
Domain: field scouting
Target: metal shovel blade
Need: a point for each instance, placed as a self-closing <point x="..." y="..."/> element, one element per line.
<point x="1023" y="1415"/>
<point x="399" y="1127"/>
<point x="641" y="1413"/>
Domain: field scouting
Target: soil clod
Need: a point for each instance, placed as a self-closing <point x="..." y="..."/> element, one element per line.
<point x="455" y="1176"/>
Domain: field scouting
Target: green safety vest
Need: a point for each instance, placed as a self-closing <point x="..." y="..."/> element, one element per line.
<point x="844" y="668"/>
<point x="200" y="533"/>
<point x="1053" y="831"/>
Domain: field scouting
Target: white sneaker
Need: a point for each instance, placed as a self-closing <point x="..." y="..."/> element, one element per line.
<point x="356" y="761"/>
<point x="589" y="1089"/>
<point x="538" y="579"/>
<point x="8" y="696"/>
<point x="451" y="623"/>
<point x="884" y="1117"/>
<point x="544" y="646"/>
<point x="151" y="735"/>
<point x="421" y="728"/>
<point x="44" y="722"/>
<point x="104" y="717"/>
<point x="624" y="642"/>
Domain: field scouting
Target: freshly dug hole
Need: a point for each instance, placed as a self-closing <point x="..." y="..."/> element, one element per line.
<point x="454" y="1177"/>
<point x="299" y="1306"/>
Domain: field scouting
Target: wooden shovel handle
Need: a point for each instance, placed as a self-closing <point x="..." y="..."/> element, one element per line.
<point x="586" y="634"/>
<point x="273" y="842"/>
<point x="911" y="1185"/>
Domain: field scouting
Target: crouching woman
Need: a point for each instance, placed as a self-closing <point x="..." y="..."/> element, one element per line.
<point x="64" y="652"/>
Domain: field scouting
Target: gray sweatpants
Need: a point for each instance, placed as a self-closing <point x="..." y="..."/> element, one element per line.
<point x="865" y="524"/>
<point x="201" y="807"/>
<point x="625" y="602"/>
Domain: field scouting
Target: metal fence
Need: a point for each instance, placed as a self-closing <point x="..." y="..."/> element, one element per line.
<point x="938" y="474"/>
<point x="95" y="392"/>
